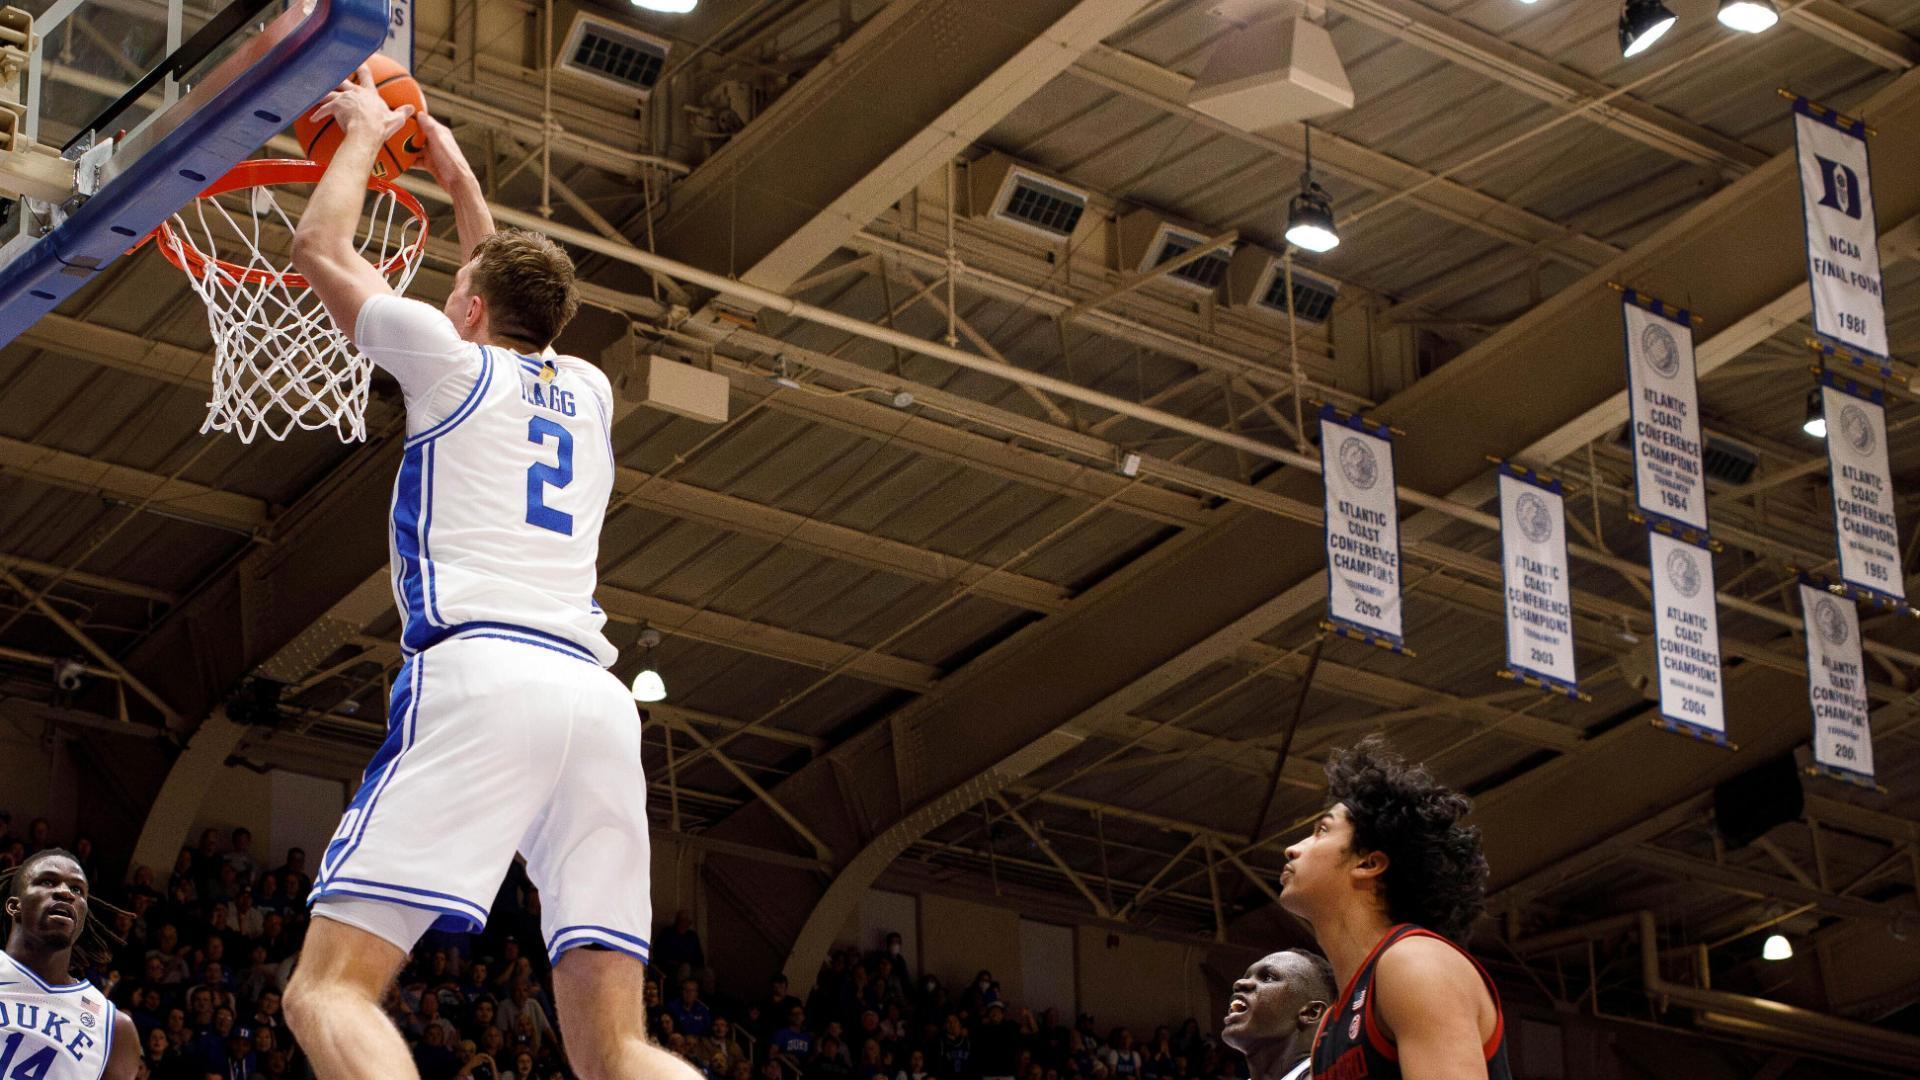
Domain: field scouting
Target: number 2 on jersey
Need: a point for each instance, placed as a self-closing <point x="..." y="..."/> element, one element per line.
<point x="539" y="475"/>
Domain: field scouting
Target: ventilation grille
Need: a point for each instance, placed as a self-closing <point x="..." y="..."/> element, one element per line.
<point x="1039" y="205"/>
<point x="1312" y="299"/>
<point x="1729" y="461"/>
<point x="1207" y="271"/>
<point x="613" y="55"/>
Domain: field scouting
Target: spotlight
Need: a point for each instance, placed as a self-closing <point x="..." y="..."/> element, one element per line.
<point x="668" y="7"/>
<point x="1777" y="948"/>
<point x="1310" y="213"/>
<point x="1643" y="22"/>
<point x="67" y="674"/>
<point x="1816" y="424"/>
<point x="648" y="685"/>
<point x="1748" y="16"/>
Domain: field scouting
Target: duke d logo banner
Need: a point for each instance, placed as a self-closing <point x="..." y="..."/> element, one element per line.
<point x="1843" y="240"/>
<point x="1533" y="542"/>
<point x="1669" y="481"/>
<point x="1687" y="637"/>
<point x="1363" y="527"/>
<point x="1864" y="526"/>
<point x="1837" y="685"/>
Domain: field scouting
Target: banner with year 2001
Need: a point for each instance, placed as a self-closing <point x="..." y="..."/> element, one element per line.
<point x="1837" y="685"/>
<point x="1843" y="240"/>
<point x="1539" y="594"/>
<point x="1864" y="525"/>
<point x="1363" y="527"/>
<point x="1686" y="633"/>
<point x="1669" y="479"/>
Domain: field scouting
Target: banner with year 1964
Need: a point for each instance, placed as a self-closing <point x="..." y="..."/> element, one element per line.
<point x="1669" y="479"/>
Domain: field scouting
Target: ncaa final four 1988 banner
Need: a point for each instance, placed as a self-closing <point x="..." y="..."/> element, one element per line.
<point x="1686" y="634"/>
<point x="1864" y="526"/>
<point x="1363" y="527"/>
<point x="1843" y="241"/>
<point x="1837" y="685"/>
<point x="1539" y="595"/>
<point x="1669" y="479"/>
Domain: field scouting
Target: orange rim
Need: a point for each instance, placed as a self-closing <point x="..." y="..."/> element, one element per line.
<point x="273" y="172"/>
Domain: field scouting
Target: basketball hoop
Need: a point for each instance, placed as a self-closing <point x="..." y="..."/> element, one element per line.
<point x="279" y="363"/>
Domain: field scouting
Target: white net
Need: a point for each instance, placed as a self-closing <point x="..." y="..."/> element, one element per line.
<point x="279" y="362"/>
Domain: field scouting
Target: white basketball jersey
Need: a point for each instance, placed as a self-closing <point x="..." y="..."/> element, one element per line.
<point x="503" y="486"/>
<point x="51" y="1032"/>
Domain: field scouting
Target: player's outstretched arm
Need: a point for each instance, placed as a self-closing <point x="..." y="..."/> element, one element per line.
<point x="1430" y="997"/>
<point x="471" y="218"/>
<point x="124" y="1062"/>
<point x="323" y="249"/>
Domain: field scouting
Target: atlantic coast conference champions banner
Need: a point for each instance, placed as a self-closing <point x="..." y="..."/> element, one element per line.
<point x="1669" y="479"/>
<point x="1363" y="526"/>
<point x="1865" y="529"/>
<point x="1843" y="242"/>
<point x="1837" y="683"/>
<point x="1533" y="543"/>
<point x="1687" y="636"/>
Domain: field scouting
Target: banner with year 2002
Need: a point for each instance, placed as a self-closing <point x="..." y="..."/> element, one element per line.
<point x="1864" y="525"/>
<point x="1363" y="527"/>
<point x="1686" y="633"/>
<point x="1843" y="240"/>
<point x="1837" y="685"/>
<point x="1669" y="479"/>
<point x="1539" y="594"/>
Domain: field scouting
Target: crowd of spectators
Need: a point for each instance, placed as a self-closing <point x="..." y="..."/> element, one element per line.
<point x="208" y="949"/>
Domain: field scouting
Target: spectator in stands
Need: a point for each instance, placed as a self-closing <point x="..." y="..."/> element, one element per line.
<point x="37" y="836"/>
<point x="433" y="1057"/>
<point x="676" y="950"/>
<point x="240" y="857"/>
<point x="982" y="992"/>
<point x="829" y="1061"/>
<point x="916" y="1068"/>
<point x="163" y="1062"/>
<point x="520" y="1011"/>
<point x="955" y="1052"/>
<point x="996" y="1041"/>
<point x="780" y="1003"/>
<point x="1120" y="1056"/>
<point x="794" y="1043"/>
<point x="294" y="872"/>
<point x="236" y="1060"/>
<point x="691" y="1017"/>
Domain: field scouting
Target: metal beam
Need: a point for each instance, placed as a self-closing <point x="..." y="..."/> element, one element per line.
<point x="91" y="581"/>
<point x="1757" y="885"/>
<point x="164" y="495"/>
<point x="1100" y="909"/>
<point x="1859" y="34"/>
<point x="93" y="648"/>
<point x="1134" y="281"/>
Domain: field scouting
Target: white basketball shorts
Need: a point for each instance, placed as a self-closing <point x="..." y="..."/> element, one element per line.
<point x="499" y="741"/>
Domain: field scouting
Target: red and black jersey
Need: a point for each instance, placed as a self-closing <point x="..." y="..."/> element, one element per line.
<point x="1350" y="1044"/>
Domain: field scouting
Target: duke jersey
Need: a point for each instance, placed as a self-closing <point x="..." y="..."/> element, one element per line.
<point x="51" y="1032"/>
<point x="503" y="486"/>
<point x="1350" y="1044"/>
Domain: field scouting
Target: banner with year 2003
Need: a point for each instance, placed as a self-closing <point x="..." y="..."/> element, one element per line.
<point x="1686" y="632"/>
<point x="1843" y="240"/>
<point x="1865" y="529"/>
<point x="1669" y="479"/>
<point x="1363" y="527"/>
<point x="1539" y="594"/>
<point x="1837" y="685"/>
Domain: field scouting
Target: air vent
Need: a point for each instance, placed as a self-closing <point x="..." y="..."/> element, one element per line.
<point x="612" y="55"/>
<point x="1148" y="239"/>
<point x="1730" y="461"/>
<point x="1205" y="272"/>
<point x="1257" y="279"/>
<point x="1005" y="191"/>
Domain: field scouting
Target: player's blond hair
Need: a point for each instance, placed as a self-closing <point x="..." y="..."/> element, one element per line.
<point x="527" y="281"/>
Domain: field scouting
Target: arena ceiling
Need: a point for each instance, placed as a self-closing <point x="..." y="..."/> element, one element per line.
<point x="918" y="625"/>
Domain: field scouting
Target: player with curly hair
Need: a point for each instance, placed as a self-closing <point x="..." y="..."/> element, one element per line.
<point x="54" y="1024"/>
<point x="1391" y="881"/>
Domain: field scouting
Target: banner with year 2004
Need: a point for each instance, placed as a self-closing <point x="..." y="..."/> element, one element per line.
<point x="1669" y="479"/>
<point x="1686" y="633"/>
<point x="1539" y="594"/>
<point x="1843" y="240"/>
<point x="1837" y="685"/>
<point x="1363" y="527"/>
<point x="1865" y="529"/>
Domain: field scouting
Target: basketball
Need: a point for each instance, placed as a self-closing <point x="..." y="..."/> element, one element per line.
<point x="320" y="138"/>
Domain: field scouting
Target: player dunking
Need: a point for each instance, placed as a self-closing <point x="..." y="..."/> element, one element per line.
<point x="52" y="1025"/>
<point x="1390" y="880"/>
<point x="504" y="732"/>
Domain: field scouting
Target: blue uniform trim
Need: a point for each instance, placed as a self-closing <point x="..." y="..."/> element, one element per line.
<point x="527" y="641"/>
<point x="545" y="640"/>
<point x="413" y="515"/>
<point x="467" y="404"/>
<point x="64" y="988"/>
<point x="426" y="551"/>
<point x="572" y="937"/>
<point x="106" y="1052"/>
<point x="381" y="770"/>
<point x="451" y="919"/>
<point x="458" y="902"/>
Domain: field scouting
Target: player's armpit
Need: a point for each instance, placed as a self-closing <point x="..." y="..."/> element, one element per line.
<point x="1429" y="998"/>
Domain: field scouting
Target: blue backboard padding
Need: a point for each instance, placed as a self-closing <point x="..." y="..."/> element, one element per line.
<point x="286" y="81"/>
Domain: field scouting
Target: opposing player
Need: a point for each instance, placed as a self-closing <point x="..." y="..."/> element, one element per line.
<point x="53" y="1025"/>
<point x="1275" y="1009"/>
<point x="504" y="732"/>
<point x="1390" y="881"/>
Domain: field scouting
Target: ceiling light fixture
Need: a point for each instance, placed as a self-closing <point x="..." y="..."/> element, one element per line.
<point x="1642" y="22"/>
<point x="648" y="685"/>
<point x="668" y="7"/>
<point x="1816" y="424"/>
<point x="1777" y="948"/>
<point x="1310" y="214"/>
<point x="1748" y="16"/>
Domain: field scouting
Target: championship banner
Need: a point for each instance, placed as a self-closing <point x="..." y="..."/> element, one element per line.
<point x="1863" y="521"/>
<point x="1843" y="242"/>
<point x="1363" y="528"/>
<point x="1837" y="686"/>
<point x="1539" y="594"/>
<point x="1686" y="636"/>
<point x="1669" y="481"/>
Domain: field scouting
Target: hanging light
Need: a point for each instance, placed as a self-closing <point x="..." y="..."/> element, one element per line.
<point x="668" y="7"/>
<point x="1748" y="16"/>
<point x="1310" y="214"/>
<point x="1642" y="22"/>
<point x="1816" y="424"/>
<point x="648" y="685"/>
<point x="1777" y="948"/>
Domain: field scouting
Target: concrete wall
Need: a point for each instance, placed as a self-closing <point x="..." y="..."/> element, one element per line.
<point x="959" y="937"/>
<point x="35" y="780"/>
<point x="1142" y="982"/>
